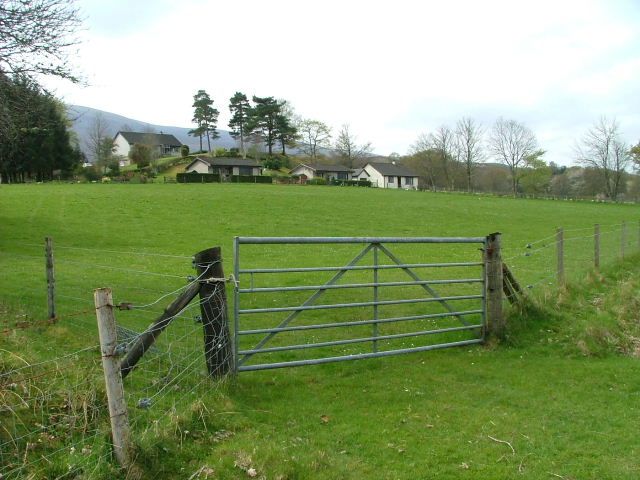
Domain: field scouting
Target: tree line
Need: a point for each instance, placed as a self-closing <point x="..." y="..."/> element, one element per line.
<point x="35" y="143"/>
<point x="273" y="122"/>
<point x="459" y="158"/>
<point x="35" y="38"/>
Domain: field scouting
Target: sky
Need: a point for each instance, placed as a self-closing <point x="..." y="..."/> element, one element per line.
<point x="390" y="70"/>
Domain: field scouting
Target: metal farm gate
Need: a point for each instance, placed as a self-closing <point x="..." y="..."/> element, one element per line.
<point x="312" y="300"/>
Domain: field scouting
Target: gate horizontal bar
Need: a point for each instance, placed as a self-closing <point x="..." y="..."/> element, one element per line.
<point x="356" y="323"/>
<point x="357" y="304"/>
<point x="358" y="285"/>
<point x="349" y="341"/>
<point x="360" y="267"/>
<point x="321" y="240"/>
<point x="359" y="356"/>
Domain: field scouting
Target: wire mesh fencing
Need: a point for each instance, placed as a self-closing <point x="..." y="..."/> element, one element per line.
<point x="53" y="412"/>
<point x="567" y="255"/>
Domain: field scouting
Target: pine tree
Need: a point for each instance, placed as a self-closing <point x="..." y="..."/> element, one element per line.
<point x="239" y="107"/>
<point x="262" y="119"/>
<point x="205" y="116"/>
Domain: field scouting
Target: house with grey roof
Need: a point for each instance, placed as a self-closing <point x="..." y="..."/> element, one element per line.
<point x="162" y="143"/>
<point x="318" y="170"/>
<point x="389" y="175"/>
<point x="225" y="166"/>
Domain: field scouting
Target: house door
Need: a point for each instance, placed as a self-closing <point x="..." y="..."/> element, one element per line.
<point x="399" y="184"/>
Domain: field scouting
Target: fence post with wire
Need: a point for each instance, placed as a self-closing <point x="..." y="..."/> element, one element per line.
<point x="113" y="380"/>
<point x="51" y="281"/>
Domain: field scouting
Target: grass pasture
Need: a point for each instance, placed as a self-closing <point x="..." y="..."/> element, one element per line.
<point x="557" y="400"/>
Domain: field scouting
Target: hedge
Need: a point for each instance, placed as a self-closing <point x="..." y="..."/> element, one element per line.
<point x="194" y="177"/>
<point x="351" y="183"/>
<point x="251" y="179"/>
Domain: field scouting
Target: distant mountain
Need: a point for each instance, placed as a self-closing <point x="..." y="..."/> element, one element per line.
<point x="83" y="119"/>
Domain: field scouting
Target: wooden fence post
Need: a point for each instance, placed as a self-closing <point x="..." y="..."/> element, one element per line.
<point x="113" y="380"/>
<point x="51" y="280"/>
<point x="213" y="307"/>
<point x="623" y="238"/>
<point x="560" y="256"/>
<point x="494" y="280"/>
<point x="596" y="246"/>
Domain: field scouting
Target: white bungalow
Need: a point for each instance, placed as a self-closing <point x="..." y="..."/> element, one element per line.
<point x="225" y="166"/>
<point x="162" y="143"/>
<point x="318" y="170"/>
<point x="389" y="175"/>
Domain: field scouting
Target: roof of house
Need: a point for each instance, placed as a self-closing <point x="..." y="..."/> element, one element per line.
<point x="226" y="162"/>
<point x="319" y="167"/>
<point x="392" y="169"/>
<point x="150" y="138"/>
<point x="360" y="171"/>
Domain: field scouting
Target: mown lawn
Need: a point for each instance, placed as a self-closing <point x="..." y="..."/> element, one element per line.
<point x="558" y="400"/>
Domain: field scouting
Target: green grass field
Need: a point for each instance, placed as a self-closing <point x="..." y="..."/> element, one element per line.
<point x="557" y="399"/>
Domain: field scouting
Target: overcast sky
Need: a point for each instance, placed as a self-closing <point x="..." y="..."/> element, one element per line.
<point x="392" y="69"/>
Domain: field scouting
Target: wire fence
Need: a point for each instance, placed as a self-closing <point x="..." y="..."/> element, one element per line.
<point x="566" y="256"/>
<point x="54" y="421"/>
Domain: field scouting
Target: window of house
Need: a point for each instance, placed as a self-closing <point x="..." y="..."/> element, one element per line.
<point x="408" y="180"/>
<point x="245" y="171"/>
<point x="390" y="180"/>
<point x="342" y="176"/>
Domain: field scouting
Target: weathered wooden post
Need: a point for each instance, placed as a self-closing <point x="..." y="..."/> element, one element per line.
<point x="113" y="380"/>
<point x="213" y="306"/>
<point x="493" y="271"/>
<point x="623" y="238"/>
<point x="51" y="280"/>
<point x="560" y="256"/>
<point x="596" y="246"/>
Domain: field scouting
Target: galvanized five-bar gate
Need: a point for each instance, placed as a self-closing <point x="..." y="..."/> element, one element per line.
<point x="353" y="298"/>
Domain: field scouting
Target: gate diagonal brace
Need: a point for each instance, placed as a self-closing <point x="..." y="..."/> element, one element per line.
<point x="427" y="288"/>
<point x="307" y="302"/>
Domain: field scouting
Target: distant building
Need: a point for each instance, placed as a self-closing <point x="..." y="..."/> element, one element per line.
<point x="388" y="175"/>
<point x="317" y="170"/>
<point x="163" y="143"/>
<point x="225" y="166"/>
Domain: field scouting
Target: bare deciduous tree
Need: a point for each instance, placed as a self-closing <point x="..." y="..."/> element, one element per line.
<point x="469" y="145"/>
<point x="444" y="141"/>
<point x="602" y="149"/>
<point x="349" y="151"/>
<point x="100" y="142"/>
<point x="424" y="160"/>
<point x="513" y="144"/>
<point x="314" y="134"/>
<point x="36" y="37"/>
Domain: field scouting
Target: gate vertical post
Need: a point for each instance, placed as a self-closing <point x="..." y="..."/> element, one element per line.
<point x="375" y="295"/>
<point x="623" y="239"/>
<point x="236" y="303"/>
<point x="493" y="285"/>
<point x="213" y="306"/>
